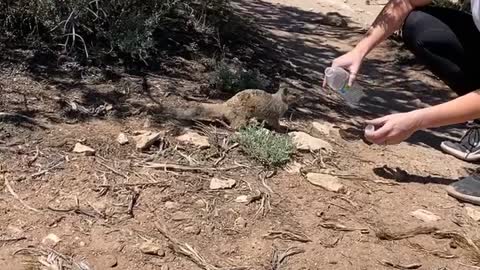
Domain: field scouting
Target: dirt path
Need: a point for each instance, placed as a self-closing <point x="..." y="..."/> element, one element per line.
<point x="100" y="218"/>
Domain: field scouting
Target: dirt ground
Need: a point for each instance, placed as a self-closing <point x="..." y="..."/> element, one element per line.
<point x="112" y="211"/>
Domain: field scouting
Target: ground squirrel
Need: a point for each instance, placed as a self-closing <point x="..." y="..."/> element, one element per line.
<point x="239" y="109"/>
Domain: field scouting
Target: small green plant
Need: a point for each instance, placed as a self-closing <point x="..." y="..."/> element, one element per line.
<point x="232" y="79"/>
<point x="265" y="146"/>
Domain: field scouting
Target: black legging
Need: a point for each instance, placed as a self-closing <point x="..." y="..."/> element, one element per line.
<point x="448" y="43"/>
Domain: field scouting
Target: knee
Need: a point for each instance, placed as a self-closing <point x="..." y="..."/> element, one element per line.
<point x="413" y="33"/>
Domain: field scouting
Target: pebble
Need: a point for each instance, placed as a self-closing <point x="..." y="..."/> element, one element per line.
<point x="151" y="248"/>
<point x="240" y="223"/>
<point x="171" y="205"/>
<point x="110" y="261"/>
<point x="179" y="216"/>
<point x="192" y="230"/>
<point x="200" y="203"/>
<point x="326" y="181"/>
<point x="122" y="139"/>
<point x="83" y="149"/>
<point x="217" y="183"/>
<point x="51" y="240"/>
<point x="424" y="215"/>
<point x="242" y="199"/>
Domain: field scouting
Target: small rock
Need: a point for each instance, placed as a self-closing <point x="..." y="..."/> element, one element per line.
<point x="192" y="230"/>
<point x="217" y="183"/>
<point x="200" y="203"/>
<point x="15" y="230"/>
<point x="51" y="240"/>
<point x="151" y="248"/>
<point x="179" y="216"/>
<point x="326" y="181"/>
<point x="473" y="213"/>
<point x="171" y="205"/>
<point x="145" y="140"/>
<point x="165" y="267"/>
<point x="320" y="129"/>
<point x="242" y="199"/>
<point x="305" y="142"/>
<point x="240" y="223"/>
<point x="195" y="139"/>
<point x="425" y="216"/>
<point x="110" y="261"/>
<point x="122" y="139"/>
<point x="83" y="149"/>
<point x="293" y="167"/>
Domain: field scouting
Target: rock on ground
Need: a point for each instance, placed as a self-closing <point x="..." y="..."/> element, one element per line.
<point x="83" y="149"/>
<point x="145" y="140"/>
<point x="306" y="142"/>
<point x="151" y="248"/>
<point x="122" y="139"/>
<point x="326" y="181"/>
<point x="425" y="216"/>
<point x="194" y="139"/>
<point x="217" y="183"/>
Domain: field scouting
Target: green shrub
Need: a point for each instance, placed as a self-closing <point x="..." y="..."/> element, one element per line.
<point x="267" y="147"/>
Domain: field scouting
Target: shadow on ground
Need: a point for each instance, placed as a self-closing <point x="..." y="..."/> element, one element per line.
<point x="296" y="45"/>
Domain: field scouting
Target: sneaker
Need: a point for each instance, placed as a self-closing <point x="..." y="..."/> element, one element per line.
<point x="466" y="189"/>
<point x="468" y="148"/>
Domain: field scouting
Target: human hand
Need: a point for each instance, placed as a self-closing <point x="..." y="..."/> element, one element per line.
<point x="394" y="128"/>
<point x="350" y="61"/>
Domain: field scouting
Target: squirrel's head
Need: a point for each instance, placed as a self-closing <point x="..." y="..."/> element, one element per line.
<point x="285" y="94"/>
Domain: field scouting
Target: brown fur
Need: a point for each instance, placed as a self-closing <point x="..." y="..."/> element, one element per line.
<point x="239" y="109"/>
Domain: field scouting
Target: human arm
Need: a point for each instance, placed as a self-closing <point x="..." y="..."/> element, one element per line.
<point x="395" y="128"/>
<point x="387" y="22"/>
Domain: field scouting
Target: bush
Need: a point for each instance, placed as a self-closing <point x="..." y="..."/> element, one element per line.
<point x="136" y="28"/>
<point x="265" y="146"/>
<point x="232" y="79"/>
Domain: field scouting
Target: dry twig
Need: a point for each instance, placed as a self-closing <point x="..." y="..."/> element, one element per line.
<point x="177" y="167"/>
<point x="10" y="189"/>
<point x="287" y="235"/>
<point x="401" y="266"/>
<point x="278" y="258"/>
<point x="189" y="252"/>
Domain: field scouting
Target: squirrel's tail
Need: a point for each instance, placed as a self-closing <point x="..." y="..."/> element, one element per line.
<point x="200" y="111"/>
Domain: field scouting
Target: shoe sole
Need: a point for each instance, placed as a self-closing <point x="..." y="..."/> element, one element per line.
<point x="459" y="154"/>
<point x="462" y="197"/>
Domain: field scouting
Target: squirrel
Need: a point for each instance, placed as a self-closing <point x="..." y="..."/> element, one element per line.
<point x="241" y="108"/>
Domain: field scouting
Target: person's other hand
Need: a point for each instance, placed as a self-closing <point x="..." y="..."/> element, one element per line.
<point x="350" y="61"/>
<point x="394" y="128"/>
